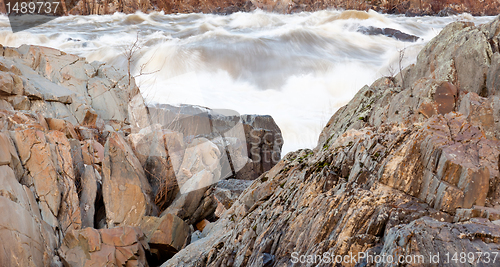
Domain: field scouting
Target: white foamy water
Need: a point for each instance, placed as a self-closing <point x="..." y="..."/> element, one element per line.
<point x="299" y="68"/>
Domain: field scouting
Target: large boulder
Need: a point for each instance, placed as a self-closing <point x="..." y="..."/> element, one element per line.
<point x="165" y="235"/>
<point x="249" y="144"/>
<point x="126" y="190"/>
<point x="264" y="143"/>
<point x="200" y="166"/>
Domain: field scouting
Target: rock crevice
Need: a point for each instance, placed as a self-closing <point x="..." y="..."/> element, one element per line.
<point x="89" y="179"/>
<point x="410" y="166"/>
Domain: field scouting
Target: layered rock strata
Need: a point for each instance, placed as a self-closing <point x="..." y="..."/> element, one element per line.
<point x="409" y="167"/>
<point x="87" y="178"/>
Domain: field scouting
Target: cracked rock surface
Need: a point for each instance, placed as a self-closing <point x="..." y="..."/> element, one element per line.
<point x="86" y="177"/>
<point x="408" y="167"/>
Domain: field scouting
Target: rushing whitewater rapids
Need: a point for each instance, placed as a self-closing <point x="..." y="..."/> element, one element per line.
<point x="299" y="68"/>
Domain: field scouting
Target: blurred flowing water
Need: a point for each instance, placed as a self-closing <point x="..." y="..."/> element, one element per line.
<point x="299" y="68"/>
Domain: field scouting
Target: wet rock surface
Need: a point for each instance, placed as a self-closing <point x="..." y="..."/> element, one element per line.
<point x="393" y="33"/>
<point x="410" y="166"/>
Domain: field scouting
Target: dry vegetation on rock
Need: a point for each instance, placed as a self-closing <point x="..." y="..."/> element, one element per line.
<point x="86" y="175"/>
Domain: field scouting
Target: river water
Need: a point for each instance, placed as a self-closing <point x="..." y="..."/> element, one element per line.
<point x="299" y="68"/>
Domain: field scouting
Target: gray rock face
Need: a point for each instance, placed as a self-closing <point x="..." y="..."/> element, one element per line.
<point x="393" y="33"/>
<point x="260" y="134"/>
<point x="26" y="239"/>
<point x="89" y="182"/>
<point x="420" y="236"/>
<point x="408" y="167"/>
<point x="264" y="143"/>
<point x="65" y="86"/>
<point x="227" y="192"/>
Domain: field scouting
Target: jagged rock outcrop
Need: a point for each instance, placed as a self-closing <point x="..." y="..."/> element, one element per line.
<point x="410" y="166"/>
<point x="86" y="178"/>
<point x="49" y="115"/>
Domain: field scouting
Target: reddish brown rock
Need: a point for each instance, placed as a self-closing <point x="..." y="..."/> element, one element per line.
<point x="92" y="152"/>
<point x="201" y="225"/>
<point x="10" y="84"/>
<point x="69" y="215"/>
<point x="445" y="97"/>
<point x="90" y="119"/>
<point x="35" y="154"/>
<point x="62" y="126"/>
<point x="126" y="191"/>
<point x="85" y="133"/>
<point x="121" y="246"/>
<point x="166" y="235"/>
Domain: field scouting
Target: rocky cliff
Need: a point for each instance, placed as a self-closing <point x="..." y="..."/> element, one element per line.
<point x="410" y="167"/>
<point x="408" y="7"/>
<point x="91" y="176"/>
